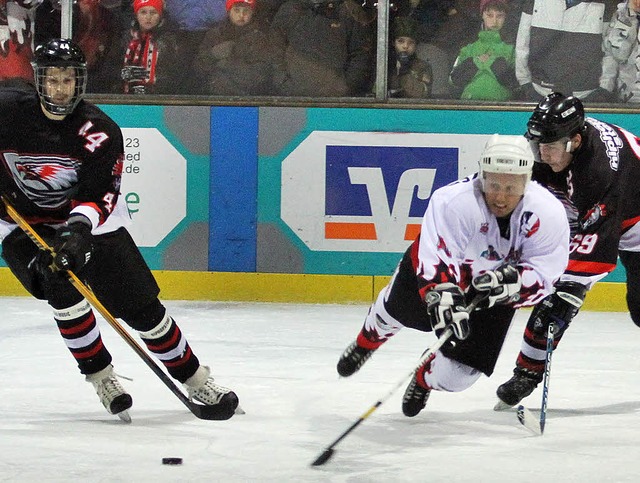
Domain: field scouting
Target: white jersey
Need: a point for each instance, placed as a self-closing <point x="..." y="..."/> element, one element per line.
<point x="460" y="239"/>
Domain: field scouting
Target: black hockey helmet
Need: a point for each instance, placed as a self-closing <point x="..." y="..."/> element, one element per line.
<point x="62" y="53"/>
<point x="556" y="117"/>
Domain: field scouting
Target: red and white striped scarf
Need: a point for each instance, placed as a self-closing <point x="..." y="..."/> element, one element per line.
<point x="142" y="51"/>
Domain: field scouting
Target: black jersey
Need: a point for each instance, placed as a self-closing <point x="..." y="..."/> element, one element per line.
<point x="599" y="189"/>
<point x="50" y="167"/>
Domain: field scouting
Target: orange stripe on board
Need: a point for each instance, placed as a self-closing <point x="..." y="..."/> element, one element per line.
<point x="411" y="232"/>
<point x="350" y="231"/>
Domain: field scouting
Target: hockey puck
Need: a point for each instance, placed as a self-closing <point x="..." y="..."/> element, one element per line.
<point x="171" y="461"/>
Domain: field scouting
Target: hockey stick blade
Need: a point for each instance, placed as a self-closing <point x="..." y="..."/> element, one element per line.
<point x="529" y="420"/>
<point x="217" y="412"/>
<point x="324" y="457"/>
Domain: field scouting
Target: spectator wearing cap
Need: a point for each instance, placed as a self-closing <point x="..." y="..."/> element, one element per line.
<point x="485" y="69"/>
<point x="234" y="57"/>
<point x="151" y="54"/>
<point x="409" y="76"/>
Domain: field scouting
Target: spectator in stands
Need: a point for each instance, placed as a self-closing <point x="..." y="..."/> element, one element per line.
<point x="151" y="56"/>
<point x="321" y="49"/>
<point x="485" y="69"/>
<point x="17" y="20"/>
<point x="234" y="57"/>
<point x="559" y="48"/>
<point x="409" y="76"/>
<point x="621" y="64"/>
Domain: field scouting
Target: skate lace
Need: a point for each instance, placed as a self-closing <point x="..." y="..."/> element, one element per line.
<point x="415" y="392"/>
<point x="357" y="355"/>
<point x="109" y="388"/>
<point x="210" y="393"/>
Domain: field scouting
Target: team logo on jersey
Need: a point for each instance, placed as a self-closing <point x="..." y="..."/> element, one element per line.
<point x="593" y="215"/>
<point x="46" y="180"/>
<point x="529" y="224"/>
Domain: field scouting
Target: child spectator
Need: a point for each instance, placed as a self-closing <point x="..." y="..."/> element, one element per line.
<point x="485" y="69"/>
<point x="409" y="76"/>
<point x="234" y="57"/>
<point x="151" y="60"/>
<point x="621" y="63"/>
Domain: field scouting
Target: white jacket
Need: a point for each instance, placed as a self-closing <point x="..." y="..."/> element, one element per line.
<point x="621" y="63"/>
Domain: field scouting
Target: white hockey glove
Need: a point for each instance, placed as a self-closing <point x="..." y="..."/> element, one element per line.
<point x="503" y="284"/>
<point x="446" y="306"/>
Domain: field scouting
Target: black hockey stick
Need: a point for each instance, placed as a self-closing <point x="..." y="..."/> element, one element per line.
<point x="525" y="416"/>
<point x="426" y="357"/>
<point x="199" y="410"/>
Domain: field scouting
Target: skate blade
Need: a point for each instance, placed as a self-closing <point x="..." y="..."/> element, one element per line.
<point x="501" y="406"/>
<point x="124" y="416"/>
<point x="239" y="410"/>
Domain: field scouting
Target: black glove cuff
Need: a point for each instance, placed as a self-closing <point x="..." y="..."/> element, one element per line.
<point x="78" y="218"/>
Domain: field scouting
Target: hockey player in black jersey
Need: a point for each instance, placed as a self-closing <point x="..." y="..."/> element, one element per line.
<point x="62" y="160"/>
<point x="593" y="167"/>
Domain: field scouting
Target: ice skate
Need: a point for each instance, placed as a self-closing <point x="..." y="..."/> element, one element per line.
<point x="521" y="385"/>
<point x="112" y="396"/>
<point x="415" y="398"/>
<point x="352" y="359"/>
<point x="202" y="388"/>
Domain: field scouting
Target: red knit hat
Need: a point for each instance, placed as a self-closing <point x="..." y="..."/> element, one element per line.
<point x="157" y="4"/>
<point x="231" y="3"/>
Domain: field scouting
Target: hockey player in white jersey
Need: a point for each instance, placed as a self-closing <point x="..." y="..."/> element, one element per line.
<point x="447" y="265"/>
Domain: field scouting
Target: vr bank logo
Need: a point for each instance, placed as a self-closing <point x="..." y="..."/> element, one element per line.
<point x="352" y="191"/>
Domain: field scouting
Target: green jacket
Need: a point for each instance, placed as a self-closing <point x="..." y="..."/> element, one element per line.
<point x="491" y="79"/>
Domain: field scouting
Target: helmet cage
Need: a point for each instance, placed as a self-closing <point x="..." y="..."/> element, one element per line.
<point x="63" y="54"/>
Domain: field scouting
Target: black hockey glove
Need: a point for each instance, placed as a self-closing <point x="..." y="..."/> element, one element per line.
<point x="73" y="244"/>
<point x="560" y="307"/>
<point x="446" y="306"/>
<point x="503" y="285"/>
<point x="133" y="72"/>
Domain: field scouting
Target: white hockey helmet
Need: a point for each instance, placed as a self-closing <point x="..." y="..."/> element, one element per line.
<point x="507" y="154"/>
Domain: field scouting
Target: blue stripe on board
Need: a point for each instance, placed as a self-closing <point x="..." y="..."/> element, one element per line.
<point x="234" y="189"/>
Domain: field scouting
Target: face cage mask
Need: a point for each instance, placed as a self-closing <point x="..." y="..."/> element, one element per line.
<point x="49" y="105"/>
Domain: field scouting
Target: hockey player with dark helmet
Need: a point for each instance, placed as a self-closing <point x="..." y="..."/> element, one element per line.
<point x="61" y="170"/>
<point x="592" y="166"/>
<point x="60" y="72"/>
<point x="554" y="121"/>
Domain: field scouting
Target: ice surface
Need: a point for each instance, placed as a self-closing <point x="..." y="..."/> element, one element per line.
<point x="280" y="359"/>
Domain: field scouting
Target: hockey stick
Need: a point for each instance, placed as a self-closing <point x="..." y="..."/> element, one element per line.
<point x="525" y="416"/>
<point x="199" y="410"/>
<point x="426" y="357"/>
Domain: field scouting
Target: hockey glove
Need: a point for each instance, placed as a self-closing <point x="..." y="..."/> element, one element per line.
<point x="73" y="244"/>
<point x="446" y="306"/>
<point x="560" y="307"/>
<point x="503" y="285"/>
